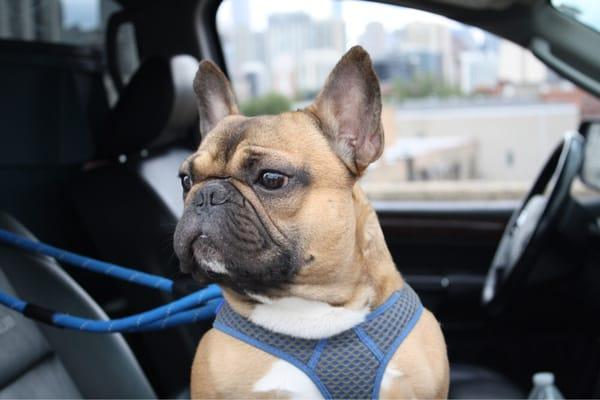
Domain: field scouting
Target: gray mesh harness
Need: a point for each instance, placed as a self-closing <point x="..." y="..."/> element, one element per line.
<point x="349" y="365"/>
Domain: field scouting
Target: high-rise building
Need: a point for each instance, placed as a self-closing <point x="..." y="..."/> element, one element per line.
<point x="31" y="20"/>
<point x="288" y="34"/>
<point x="329" y="34"/>
<point x="314" y="69"/>
<point x="374" y="39"/>
<point x="17" y="20"/>
<point x="298" y="49"/>
<point x="435" y="39"/>
<point x="245" y="53"/>
<point x="478" y="70"/>
<point x="517" y="65"/>
<point x="48" y="17"/>
<point x="5" y="20"/>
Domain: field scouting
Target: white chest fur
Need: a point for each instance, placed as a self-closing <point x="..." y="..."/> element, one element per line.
<point x="307" y="319"/>
<point x="303" y="318"/>
<point x="287" y="380"/>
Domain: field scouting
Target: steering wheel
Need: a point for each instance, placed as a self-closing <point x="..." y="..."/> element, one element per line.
<point x="530" y="224"/>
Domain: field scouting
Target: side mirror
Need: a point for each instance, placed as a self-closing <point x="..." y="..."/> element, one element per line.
<point x="590" y="171"/>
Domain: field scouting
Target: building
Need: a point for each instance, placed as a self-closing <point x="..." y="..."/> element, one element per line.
<point x="288" y="34"/>
<point x="482" y="151"/>
<point x="329" y="34"/>
<point x="435" y="39"/>
<point x="409" y="66"/>
<point x="566" y="92"/>
<point x="426" y="158"/>
<point x="254" y="80"/>
<point x="478" y="70"/>
<point x="313" y="69"/>
<point x="374" y="38"/>
<point x="39" y="20"/>
<point x="48" y="14"/>
<point x="513" y="139"/>
<point x="295" y="50"/>
<point x="518" y="66"/>
<point x="17" y="20"/>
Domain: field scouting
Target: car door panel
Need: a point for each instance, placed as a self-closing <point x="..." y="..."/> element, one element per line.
<point x="444" y="253"/>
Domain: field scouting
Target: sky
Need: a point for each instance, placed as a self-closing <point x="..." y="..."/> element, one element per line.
<point x="356" y="14"/>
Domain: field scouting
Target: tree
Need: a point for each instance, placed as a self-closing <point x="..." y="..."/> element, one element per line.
<point x="270" y="103"/>
<point x="423" y="85"/>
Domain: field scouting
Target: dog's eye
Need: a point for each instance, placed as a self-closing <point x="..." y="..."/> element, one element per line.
<point x="272" y="180"/>
<point x="186" y="182"/>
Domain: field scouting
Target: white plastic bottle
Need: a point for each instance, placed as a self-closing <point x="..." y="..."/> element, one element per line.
<point x="543" y="387"/>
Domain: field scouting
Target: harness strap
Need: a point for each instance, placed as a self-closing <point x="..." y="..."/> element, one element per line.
<point x="350" y="364"/>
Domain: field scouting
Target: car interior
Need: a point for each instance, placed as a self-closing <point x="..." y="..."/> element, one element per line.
<point x="89" y="156"/>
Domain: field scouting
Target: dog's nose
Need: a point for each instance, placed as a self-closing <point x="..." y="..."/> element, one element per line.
<point x="212" y="194"/>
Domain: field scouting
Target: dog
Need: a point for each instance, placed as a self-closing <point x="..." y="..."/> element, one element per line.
<point x="274" y="215"/>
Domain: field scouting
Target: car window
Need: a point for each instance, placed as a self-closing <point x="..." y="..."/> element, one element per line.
<point x="467" y="115"/>
<point x="74" y="22"/>
<point x="585" y="11"/>
<point x="80" y="23"/>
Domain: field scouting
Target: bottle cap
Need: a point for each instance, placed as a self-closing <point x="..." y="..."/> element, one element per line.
<point x="543" y="378"/>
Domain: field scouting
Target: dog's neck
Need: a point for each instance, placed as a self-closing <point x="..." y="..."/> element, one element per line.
<point x="322" y="310"/>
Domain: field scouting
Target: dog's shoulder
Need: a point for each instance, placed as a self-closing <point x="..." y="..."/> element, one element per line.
<point x="419" y="368"/>
<point x="202" y="383"/>
<point x="224" y="366"/>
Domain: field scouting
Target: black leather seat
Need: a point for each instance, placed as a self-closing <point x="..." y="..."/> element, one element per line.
<point x="51" y="102"/>
<point x="477" y="382"/>
<point x="38" y="361"/>
<point x="129" y="200"/>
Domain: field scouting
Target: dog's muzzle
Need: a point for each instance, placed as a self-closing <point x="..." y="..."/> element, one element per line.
<point x="222" y="238"/>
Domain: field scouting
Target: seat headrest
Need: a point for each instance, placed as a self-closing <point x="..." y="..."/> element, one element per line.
<point x="155" y="108"/>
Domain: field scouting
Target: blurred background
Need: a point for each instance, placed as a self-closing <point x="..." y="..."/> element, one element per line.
<point x="467" y="115"/>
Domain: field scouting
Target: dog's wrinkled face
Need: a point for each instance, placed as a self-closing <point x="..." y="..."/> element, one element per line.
<point x="268" y="200"/>
<point x="249" y="183"/>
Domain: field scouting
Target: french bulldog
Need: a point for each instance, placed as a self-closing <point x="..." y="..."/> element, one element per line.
<point x="274" y="214"/>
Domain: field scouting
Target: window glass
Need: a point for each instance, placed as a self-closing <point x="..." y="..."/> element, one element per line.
<point x="467" y="115"/>
<point x="75" y="22"/>
<point x="127" y="54"/>
<point x="70" y="22"/>
<point x="585" y="11"/>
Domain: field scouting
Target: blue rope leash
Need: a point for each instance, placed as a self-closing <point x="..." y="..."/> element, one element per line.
<point x="200" y="305"/>
<point x="101" y="267"/>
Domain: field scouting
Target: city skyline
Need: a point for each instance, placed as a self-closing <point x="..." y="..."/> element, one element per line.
<point x="458" y="103"/>
<point x="356" y="15"/>
<point x="76" y="22"/>
<point x="294" y="51"/>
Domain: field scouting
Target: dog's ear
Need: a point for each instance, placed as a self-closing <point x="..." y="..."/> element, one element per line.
<point x="349" y="110"/>
<point x="215" y="96"/>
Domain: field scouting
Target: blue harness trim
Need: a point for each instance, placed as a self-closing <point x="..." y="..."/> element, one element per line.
<point x="314" y="359"/>
<point x="277" y="353"/>
<point x="350" y="364"/>
<point x="371" y="345"/>
<point x="403" y="334"/>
